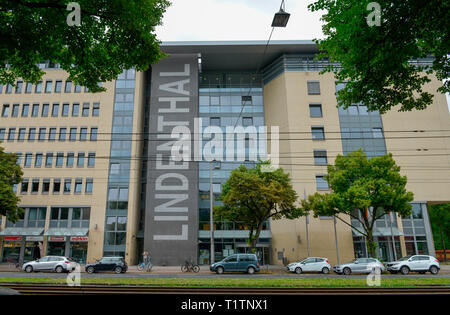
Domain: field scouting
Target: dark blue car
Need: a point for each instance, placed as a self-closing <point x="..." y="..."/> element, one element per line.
<point x="237" y="263"/>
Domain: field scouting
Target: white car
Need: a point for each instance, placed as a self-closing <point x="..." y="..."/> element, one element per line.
<point x="419" y="263"/>
<point x="359" y="265"/>
<point x="310" y="264"/>
<point x="50" y="263"/>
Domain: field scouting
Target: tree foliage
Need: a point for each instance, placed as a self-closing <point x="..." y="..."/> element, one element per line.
<point x="113" y="35"/>
<point x="252" y="196"/>
<point x="440" y="225"/>
<point x="376" y="59"/>
<point x="10" y="174"/>
<point x="364" y="189"/>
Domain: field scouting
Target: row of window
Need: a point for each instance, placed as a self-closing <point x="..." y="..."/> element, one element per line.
<point x="50" y="135"/>
<point x="27" y="87"/>
<point x="59" y="159"/>
<point x="55" y="110"/>
<point x="57" y="186"/>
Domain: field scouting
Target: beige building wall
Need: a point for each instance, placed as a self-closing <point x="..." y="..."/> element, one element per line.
<point x="287" y="102"/>
<point x="97" y="200"/>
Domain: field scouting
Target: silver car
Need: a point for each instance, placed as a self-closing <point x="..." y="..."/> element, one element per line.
<point x="50" y="263"/>
<point x="359" y="265"/>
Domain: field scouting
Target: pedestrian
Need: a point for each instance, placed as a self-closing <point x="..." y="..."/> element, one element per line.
<point x="145" y="256"/>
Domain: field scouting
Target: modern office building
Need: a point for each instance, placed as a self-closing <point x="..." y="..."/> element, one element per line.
<point x="100" y="177"/>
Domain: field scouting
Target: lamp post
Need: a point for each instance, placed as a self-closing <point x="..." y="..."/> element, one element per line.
<point x="211" y="211"/>
<point x="281" y="18"/>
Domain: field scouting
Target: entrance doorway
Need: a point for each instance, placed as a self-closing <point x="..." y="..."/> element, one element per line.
<point x="262" y="252"/>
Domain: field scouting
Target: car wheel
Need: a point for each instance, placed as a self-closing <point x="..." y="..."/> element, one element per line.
<point x="90" y="270"/>
<point x="118" y="270"/>
<point x="219" y="270"/>
<point x="404" y="270"/>
<point x="347" y="271"/>
<point x="434" y="270"/>
<point x="325" y="270"/>
<point x="29" y="269"/>
<point x="251" y="270"/>
<point x="298" y="270"/>
<point x="59" y="269"/>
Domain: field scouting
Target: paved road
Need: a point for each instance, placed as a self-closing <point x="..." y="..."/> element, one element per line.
<point x="209" y="275"/>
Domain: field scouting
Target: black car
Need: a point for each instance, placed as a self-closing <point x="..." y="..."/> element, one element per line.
<point x="115" y="264"/>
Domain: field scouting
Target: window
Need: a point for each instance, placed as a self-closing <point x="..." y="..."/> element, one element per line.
<point x="321" y="183"/>
<point x="48" y="86"/>
<point x="28" y="159"/>
<point x="318" y="133"/>
<point x="38" y="88"/>
<point x="68" y="87"/>
<point x="75" y="109"/>
<point x="80" y="159"/>
<point x="5" y="111"/>
<point x="91" y="160"/>
<point x="59" y="217"/>
<point x="89" y="185"/>
<point x="80" y="217"/>
<point x="377" y="132"/>
<point x="2" y="134"/>
<point x="35" y="111"/>
<point x="31" y="134"/>
<point x="45" y="108"/>
<point x="65" y="110"/>
<point x="70" y="159"/>
<point x="59" y="159"/>
<point x="320" y="157"/>
<point x="78" y="185"/>
<point x="246" y="99"/>
<point x="247" y="121"/>
<point x="38" y="160"/>
<point x="313" y="87"/>
<point x="85" y="110"/>
<point x="86" y="89"/>
<point x="46" y="186"/>
<point x="28" y="87"/>
<point x="56" y="186"/>
<point x="95" y="109"/>
<point x="58" y="86"/>
<point x="214" y="121"/>
<point x="315" y="110"/>
<point x="83" y="134"/>
<point x="52" y="134"/>
<point x="114" y="169"/>
<point x="25" y="109"/>
<point x="62" y="134"/>
<point x="19" y="86"/>
<point x="35" y="186"/>
<point x="77" y="88"/>
<point x="24" y="186"/>
<point x="11" y="134"/>
<point x="8" y="89"/>
<point x="42" y="132"/>
<point x="49" y="160"/>
<point x="353" y="110"/>
<point x="36" y="217"/>
<point x="19" y="158"/>
<point x="94" y="132"/>
<point x="73" y="134"/>
<point x="1" y="88"/>
<point x="67" y="185"/>
<point x="55" y="110"/>
<point x="22" y="132"/>
<point x="15" y="110"/>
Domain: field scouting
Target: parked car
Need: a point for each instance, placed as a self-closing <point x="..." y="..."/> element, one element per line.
<point x="359" y="265"/>
<point x="418" y="263"/>
<point x="310" y="264"/>
<point x="237" y="263"/>
<point x="50" y="263"/>
<point x="115" y="264"/>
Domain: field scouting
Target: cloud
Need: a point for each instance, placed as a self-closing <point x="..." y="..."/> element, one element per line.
<point x="190" y="20"/>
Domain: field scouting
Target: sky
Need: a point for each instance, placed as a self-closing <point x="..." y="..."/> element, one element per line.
<point x="216" y="20"/>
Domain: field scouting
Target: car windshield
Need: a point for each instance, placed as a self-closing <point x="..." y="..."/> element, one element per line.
<point x="302" y="260"/>
<point x="404" y="258"/>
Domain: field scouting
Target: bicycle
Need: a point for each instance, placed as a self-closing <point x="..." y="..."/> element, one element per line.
<point x="147" y="266"/>
<point x="190" y="267"/>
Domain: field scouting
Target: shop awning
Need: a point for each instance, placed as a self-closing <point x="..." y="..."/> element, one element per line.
<point x="13" y="231"/>
<point x="67" y="232"/>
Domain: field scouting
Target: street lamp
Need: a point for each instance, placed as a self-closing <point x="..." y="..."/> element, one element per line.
<point x="281" y="18"/>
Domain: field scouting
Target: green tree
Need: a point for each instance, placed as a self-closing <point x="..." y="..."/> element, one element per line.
<point x="10" y="174"/>
<point x="113" y="35"/>
<point x="364" y="189"/>
<point x="440" y="225"/>
<point x="252" y="196"/>
<point x="374" y="58"/>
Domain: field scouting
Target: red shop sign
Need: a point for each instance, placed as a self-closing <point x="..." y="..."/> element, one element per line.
<point x="12" y="238"/>
<point x="79" y="239"/>
<point x="57" y="239"/>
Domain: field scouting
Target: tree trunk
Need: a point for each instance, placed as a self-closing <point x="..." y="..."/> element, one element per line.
<point x="253" y="239"/>
<point x="443" y="243"/>
<point x="371" y="245"/>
